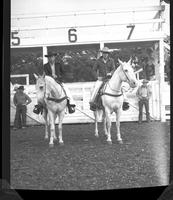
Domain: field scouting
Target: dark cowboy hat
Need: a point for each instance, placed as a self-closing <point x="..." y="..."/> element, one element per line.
<point x="105" y="50"/>
<point x="145" y="81"/>
<point x="50" y="53"/>
<point x="21" y="87"/>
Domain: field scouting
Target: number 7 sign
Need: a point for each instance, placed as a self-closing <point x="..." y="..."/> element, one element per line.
<point x="131" y="31"/>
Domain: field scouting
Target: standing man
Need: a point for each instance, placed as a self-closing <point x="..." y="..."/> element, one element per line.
<point x="104" y="69"/>
<point x="55" y="70"/>
<point x="21" y="100"/>
<point x="144" y="93"/>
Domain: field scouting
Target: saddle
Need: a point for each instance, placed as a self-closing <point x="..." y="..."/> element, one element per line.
<point x="39" y="107"/>
<point x="98" y="101"/>
<point x="71" y="108"/>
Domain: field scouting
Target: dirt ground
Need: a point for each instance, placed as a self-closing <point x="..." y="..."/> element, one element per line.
<point x="89" y="163"/>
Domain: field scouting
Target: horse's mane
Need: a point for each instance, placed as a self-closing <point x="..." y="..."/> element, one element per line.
<point x="53" y="85"/>
<point x="117" y="69"/>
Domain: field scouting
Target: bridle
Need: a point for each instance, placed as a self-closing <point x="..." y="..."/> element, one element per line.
<point x="125" y="75"/>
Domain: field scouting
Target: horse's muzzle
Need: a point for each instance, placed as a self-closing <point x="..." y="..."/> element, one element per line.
<point x="41" y="87"/>
<point x="133" y="84"/>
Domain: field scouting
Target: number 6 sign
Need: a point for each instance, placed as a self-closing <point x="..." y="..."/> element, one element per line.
<point x="72" y="37"/>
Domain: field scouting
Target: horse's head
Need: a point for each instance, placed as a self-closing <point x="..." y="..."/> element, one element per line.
<point x="127" y="73"/>
<point x="40" y="86"/>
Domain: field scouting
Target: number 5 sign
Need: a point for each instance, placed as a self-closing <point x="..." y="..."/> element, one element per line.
<point x="15" y="39"/>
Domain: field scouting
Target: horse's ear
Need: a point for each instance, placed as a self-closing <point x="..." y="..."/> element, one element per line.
<point x="120" y="61"/>
<point x="35" y="75"/>
<point x="130" y="60"/>
<point x="44" y="74"/>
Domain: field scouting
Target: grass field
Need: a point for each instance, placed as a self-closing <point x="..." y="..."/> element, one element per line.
<point x="89" y="163"/>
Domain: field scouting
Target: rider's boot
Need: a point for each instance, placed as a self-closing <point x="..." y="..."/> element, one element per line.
<point x="71" y="107"/>
<point x="93" y="106"/>
<point x="125" y="105"/>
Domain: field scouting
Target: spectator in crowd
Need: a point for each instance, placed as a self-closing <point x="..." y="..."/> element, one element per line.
<point x="103" y="68"/>
<point x="21" y="100"/>
<point x="144" y="93"/>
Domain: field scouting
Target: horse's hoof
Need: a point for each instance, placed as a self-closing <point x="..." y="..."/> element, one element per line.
<point x="96" y="135"/>
<point x="120" y="141"/>
<point x="51" y="145"/>
<point x="46" y="138"/>
<point x="61" y="143"/>
<point x="109" y="142"/>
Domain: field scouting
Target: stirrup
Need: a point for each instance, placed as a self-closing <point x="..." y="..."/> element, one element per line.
<point x="125" y="106"/>
<point x="38" y="109"/>
<point x="71" y="108"/>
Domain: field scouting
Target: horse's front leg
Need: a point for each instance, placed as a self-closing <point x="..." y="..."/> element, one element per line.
<point x="52" y="128"/>
<point x="46" y="118"/>
<point x="96" y="123"/>
<point x="107" y="126"/>
<point x="61" y="117"/>
<point x="119" y="139"/>
<point x="54" y="136"/>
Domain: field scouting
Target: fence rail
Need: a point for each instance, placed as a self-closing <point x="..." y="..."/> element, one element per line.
<point x="20" y="76"/>
<point x="81" y="93"/>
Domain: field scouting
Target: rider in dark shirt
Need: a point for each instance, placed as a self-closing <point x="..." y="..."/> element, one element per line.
<point x="55" y="70"/>
<point x="103" y="68"/>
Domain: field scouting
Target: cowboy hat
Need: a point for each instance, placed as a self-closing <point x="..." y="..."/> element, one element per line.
<point x="21" y="87"/>
<point x="51" y="54"/>
<point x="145" y="81"/>
<point x="16" y="86"/>
<point x="105" y="50"/>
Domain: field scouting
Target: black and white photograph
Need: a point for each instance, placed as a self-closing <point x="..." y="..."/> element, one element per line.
<point x="89" y="94"/>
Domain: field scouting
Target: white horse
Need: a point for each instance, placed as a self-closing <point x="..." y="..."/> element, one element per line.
<point x="112" y="98"/>
<point x="52" y="96"/>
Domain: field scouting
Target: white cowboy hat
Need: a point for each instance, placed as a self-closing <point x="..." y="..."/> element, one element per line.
<point x="105" y="50"/>
<point x="145" y="81"/>
<point x="16" y="86"/>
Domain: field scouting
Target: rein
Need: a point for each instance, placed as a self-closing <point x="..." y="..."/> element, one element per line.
<point x="126" y="75"/>
<point x="109" y="94"/>
<point x="115" y="95"/>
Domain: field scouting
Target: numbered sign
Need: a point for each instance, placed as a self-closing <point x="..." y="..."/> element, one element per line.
<point x="72" y="36"/>
<point x="131" y="30"/>
<point x="15" y="40"/>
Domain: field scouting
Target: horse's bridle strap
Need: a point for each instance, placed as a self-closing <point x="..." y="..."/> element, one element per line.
<point x="126" y="75"/>
<point x="112" y="95"/>
<point x="56" y="100"/>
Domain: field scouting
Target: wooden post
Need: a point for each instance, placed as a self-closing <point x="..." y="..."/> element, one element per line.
<point x="161" y="81"/>
<point x="101" y="47"/>
<point x="44" y="53"/>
